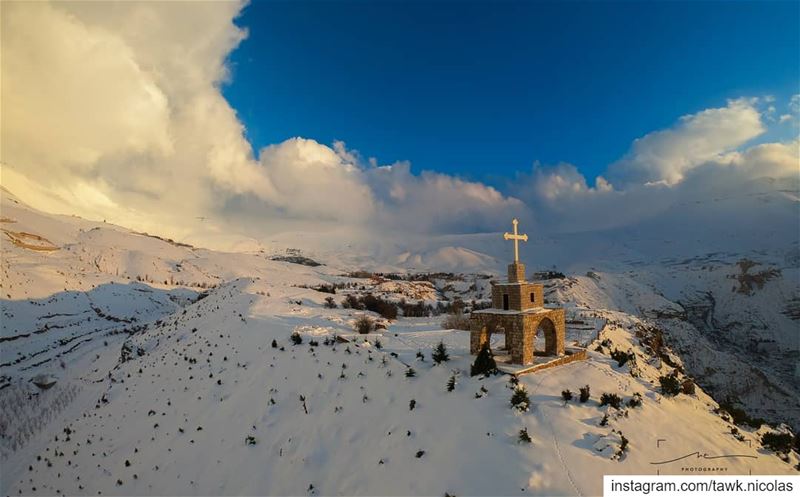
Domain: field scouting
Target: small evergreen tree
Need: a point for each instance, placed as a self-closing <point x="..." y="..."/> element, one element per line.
<point x="524" y="437"/>
<point x="378" y="344"/>
<point x="440" y="354"/>
<point x="412" y="405"/>
<point x="604" y="421"/>
<point x="611" y="399"/>
<point x="484" y="363"/>
<point x="566" y="395"/>
<point x="410" y="373"/>
<point x="451" y="383"/>
<point x="330" y="303"/>
<point x="584" y="395"/>
<point x="777" y="442"/>
<point x="420" y="356"/>
<point x="520" y="399"/>
<point x="296" y="338"/>
<point x="623" y="445"/>
<point x="621" y="357"/>
<point x="635" y="401"/>
<point x="670" y="386"/>
<point x="274" y="344"/>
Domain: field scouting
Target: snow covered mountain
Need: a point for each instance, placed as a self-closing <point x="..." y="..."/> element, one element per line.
<point x="157" y="372"/>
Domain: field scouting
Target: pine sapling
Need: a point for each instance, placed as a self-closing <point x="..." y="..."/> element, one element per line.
<point x="611" y="399"/>
<point x="520" y="399"/>
<point x="484" y="363"/>
<point x="636" y="400"/>
<point x="440" y="354"/>
<point x="584" y="395"/>
<point x="670" y="385"/>
<point x="524" y="437"/>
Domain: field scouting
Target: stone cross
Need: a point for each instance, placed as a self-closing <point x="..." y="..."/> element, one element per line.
<point x="516" y="237"/>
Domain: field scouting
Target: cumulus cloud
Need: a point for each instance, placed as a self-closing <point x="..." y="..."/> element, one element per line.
<point x="794" y="111"/>
<point x="551" y="184"/>
<point x="113" y="111"/>
<point x="438" y="202"/>
<point x="667" y="155"/>
<point x="314" y="181"/>
<point x="702" y="155"/>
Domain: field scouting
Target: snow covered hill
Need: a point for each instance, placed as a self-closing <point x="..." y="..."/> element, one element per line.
<point x="167" y="381"/>
<point x="207" y="405"/>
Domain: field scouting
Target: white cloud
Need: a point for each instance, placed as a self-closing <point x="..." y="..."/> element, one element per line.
<point x="314" y="181"/>
<point x="665" y="156"/>
<point x="554" y="183"/>
<point x="683" y="164"/>
<point x="432" y="202"/>
<point x="114" y="111"/>
<point x="55" y="115"/>
<point x="793" y="116"/>
<point x="794" y="104"/>
<point x="560" y="193"/>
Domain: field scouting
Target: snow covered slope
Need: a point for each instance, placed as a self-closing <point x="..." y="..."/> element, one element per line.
<point x="166" y="380"/>
<point x="207" y="405"/>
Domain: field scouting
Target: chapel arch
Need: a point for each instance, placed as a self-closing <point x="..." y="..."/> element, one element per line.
<point x="547" y="330"/>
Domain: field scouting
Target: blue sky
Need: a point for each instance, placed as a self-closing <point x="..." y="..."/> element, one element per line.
<point x="482" y="91"/>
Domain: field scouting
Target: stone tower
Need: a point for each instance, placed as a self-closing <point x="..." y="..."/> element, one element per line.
<point x="518" y="311"/>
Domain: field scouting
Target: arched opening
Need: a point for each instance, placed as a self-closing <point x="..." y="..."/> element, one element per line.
<point x="545" y="342"/>
<point x="492" y="333"/>
<point x="498" y="340"/>
<point x="489" y="333"/>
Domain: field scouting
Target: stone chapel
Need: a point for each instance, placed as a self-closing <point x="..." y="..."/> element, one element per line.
<point x="518" y="312"/>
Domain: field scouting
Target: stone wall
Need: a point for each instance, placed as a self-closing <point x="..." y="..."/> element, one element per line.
<point x="516" y="272"/>
<point x="520" y="332"/>
<point x="578" y="355"/>
<point x="519" y="296"/>
<point x="483" y="325"/>
<point x="555" y="327"/>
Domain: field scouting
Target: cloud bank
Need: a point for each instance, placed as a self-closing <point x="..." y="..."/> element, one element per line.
<point x="114" y="111"/>
<point x="704" y="155"/>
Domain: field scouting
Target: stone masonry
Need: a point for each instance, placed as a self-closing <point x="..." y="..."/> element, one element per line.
<point x="518" y="311"/>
